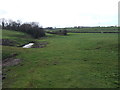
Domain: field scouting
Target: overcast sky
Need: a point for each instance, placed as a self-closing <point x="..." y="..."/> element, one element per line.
<point x="62" y="13"/>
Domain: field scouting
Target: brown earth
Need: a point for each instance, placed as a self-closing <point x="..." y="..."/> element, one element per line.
<point x="39" y="44"/>
<point x="11" y="62"/>
<point x="7" y="42"/>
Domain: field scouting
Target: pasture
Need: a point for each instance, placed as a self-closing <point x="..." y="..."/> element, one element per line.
<point x="88" y="29"/>
<point x="78" y="60"/>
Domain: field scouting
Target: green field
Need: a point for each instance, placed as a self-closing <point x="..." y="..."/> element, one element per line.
<point x="78" y="60"/>
<point x="90" y="29"/>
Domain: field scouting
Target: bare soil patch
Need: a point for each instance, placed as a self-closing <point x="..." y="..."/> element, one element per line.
<point x="7" y="42"/>
<point x="39" y="44"/>
<point x="10" y="62"/>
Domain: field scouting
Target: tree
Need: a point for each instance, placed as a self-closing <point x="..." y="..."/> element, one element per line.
<point x="31" y="28"/>
<point x="3" y="23"/>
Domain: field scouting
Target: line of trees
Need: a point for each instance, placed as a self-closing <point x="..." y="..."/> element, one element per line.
<point x="31" y="28"/>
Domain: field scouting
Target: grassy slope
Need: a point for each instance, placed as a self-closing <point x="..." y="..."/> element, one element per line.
<point x="74" y="61"/>
<point x="19" y="37"/>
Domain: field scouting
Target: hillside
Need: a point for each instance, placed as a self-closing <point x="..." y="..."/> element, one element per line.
<point x="16" y="36"/>
<point x="16" y="39"/>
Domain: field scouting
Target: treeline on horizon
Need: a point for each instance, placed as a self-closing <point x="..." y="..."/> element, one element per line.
<point x="37" y="31"/>
<point x="31" y="28"/>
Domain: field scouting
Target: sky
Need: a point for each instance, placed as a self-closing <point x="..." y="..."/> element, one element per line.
<point x="62" y="13"/>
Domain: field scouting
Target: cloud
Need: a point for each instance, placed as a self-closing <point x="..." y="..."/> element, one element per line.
<point x="62" y="13"/>
<point x="3" y="12"/>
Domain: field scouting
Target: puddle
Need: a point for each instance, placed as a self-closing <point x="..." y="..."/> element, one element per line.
<point x="28" y="45"/>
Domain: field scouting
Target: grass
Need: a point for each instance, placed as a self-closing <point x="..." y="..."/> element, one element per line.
<point x="79" y="60"/>
<point x="19" y="37"/>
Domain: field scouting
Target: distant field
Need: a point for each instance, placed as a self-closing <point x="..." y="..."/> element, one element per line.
<point x="90" y="29"/>
<point x="79" y="60"/>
